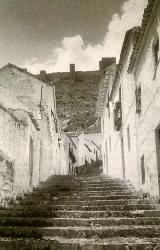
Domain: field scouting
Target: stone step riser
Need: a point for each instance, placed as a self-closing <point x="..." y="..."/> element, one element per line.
<point x="86" y="203"/>
<point x="81" y="207"/>
<point x="55" y="245"/>
<point x="84" y="232"/>
<point x="77" y="214"/>
<point x="44" y="195"/>
<point x="78" y="198"/>
<point x="67" y="222"/>
<point x="84" y="179"/>
<point x="86" y="188"/>
<point x="81" y="184"/>
<point x="66" y="207"/>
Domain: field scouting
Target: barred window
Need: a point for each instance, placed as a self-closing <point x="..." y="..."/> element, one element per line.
<point x="117" y="116"/>
<point x="138" y="100"/>
<point x="142" y="169"/>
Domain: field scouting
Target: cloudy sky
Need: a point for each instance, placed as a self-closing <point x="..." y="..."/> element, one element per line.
<point x="51" y="34"/>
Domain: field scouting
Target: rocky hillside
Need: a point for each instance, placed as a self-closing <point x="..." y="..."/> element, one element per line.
<point x="76" y="95"/>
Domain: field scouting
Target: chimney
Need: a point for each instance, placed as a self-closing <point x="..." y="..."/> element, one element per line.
<point x="72" y="68"/>
<point x="43" y="75"/>
<point x="72" y="71"/>
<point x="24" y="69"/>
<point x="105" y="62"/>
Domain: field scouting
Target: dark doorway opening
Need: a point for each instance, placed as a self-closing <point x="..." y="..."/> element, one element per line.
<point x="157" y="138"/>
<point x="31" y="161"/>
<point x="106" y="158"/>
<point x="123" y="158"/>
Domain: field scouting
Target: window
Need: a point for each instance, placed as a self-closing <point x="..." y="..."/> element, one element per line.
<point x="129" y="139"/>
<point x="138" y="99"/>
<point x="108" y="106"/>
<point x="156" y="51"/>
<point x="142" y="169"/>
<point x="110" y="143"/>
<point x="117" y="116"/>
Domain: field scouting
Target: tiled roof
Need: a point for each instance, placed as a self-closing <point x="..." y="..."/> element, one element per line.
<point x="140" y="34"/>
<point x="12" y="66"/>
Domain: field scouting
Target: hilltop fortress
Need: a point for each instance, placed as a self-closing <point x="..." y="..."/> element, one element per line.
<point x="76" y="94"/>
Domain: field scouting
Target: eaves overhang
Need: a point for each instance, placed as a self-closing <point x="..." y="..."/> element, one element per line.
<point x="103" y="89"/>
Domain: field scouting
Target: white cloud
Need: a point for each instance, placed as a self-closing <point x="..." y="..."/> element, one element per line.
<point x="86" y="57"/>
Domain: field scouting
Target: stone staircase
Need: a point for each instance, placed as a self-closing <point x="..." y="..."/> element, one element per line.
<point x="81" y="213"/>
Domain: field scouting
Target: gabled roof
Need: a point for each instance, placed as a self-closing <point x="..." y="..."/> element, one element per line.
<point x="12" y="66"/>
<point x="148" y="13"/>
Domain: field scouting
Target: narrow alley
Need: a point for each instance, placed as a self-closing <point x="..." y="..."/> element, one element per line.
<point x="80" y="125"/>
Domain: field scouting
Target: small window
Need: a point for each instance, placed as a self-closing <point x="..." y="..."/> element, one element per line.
<point x="156" y="51"/>
<point x="129" y="139"/>
<point x="120" y="93"/>
<point x="138" y="99"/>
<point x="110" y="143"/>
<point x="109" y="113"/>
<point x="117" y="116"/>
<point x="142" y="169"/>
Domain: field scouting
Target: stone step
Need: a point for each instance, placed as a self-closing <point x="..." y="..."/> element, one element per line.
<point x="81" y="232"/>
<point x="81" y="213"/>
<point x="85" y="208"/>
<point x="75" y="222"/>
<point x="85" y="180"/>
<point x="85" y="188"/>
<point x="31" y="198"/>
<point x="77" y="214"/>
<point x="85" y="184"/>
<point x="84" y="202"/>
<point x="59" y="243"/>
<point x="77" y="193"/>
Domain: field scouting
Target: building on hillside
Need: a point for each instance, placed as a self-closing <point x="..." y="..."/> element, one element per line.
<point x="74" y="137"/>
<point x="128" y="104"/>
<point x="89" y="146"/>
<point x="30" y="131"/>
<point x="68" y="155"/>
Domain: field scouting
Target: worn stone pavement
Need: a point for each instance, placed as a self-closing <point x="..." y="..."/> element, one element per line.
<point x="81" y="213"/>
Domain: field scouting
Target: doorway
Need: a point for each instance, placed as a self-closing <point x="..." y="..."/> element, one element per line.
<point x="123" y="157"/>
<point x="157" y="139"/>
<point x="31" y="161"/>
<point x="40" y="159"/>
<point x="106" y="157"/>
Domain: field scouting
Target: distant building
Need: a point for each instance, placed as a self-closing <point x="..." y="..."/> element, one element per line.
<point x="89" y="146"/>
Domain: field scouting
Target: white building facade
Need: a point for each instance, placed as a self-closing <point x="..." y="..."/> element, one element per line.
<point x="128" y="104"/>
